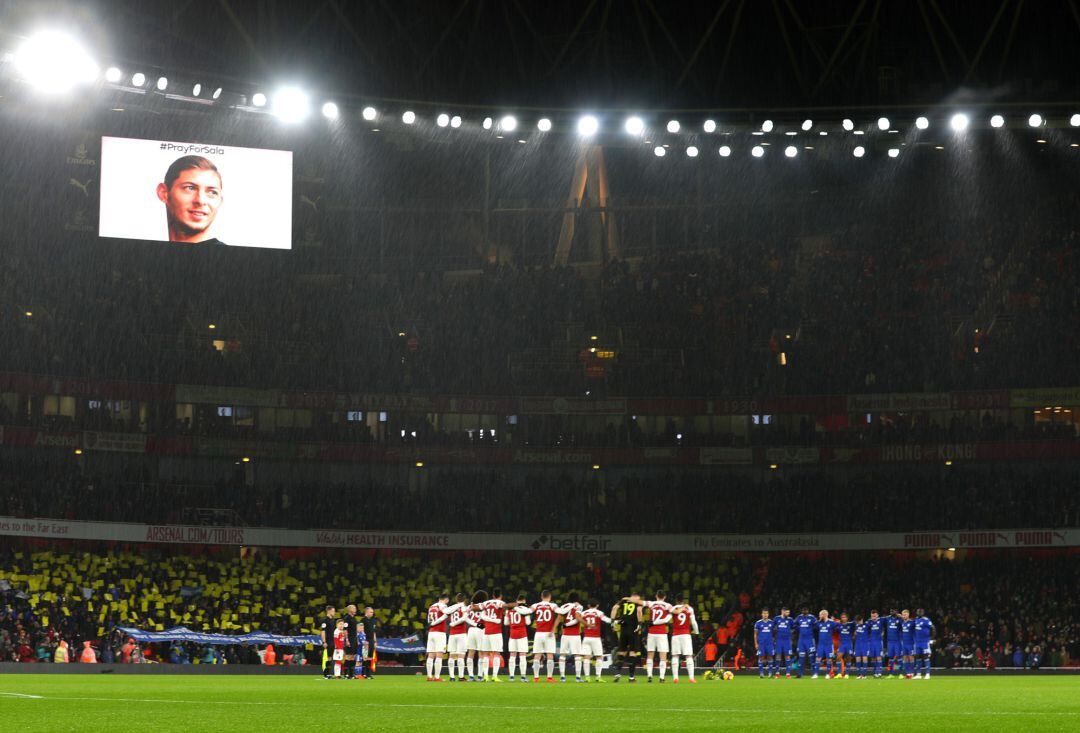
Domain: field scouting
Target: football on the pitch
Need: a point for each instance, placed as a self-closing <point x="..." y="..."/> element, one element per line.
<point x="729" y="676"/>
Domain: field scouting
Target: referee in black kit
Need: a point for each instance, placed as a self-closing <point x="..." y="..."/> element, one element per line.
<point x="350" y="642"/>
<point x="326" y="633"/>
<point x="371" y="628"/>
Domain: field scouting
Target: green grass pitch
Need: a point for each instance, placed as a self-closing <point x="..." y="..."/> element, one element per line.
<point x="400" y="703"/>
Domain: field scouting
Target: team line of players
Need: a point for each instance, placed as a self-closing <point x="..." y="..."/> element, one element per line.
<point x="899" y="640"/>
<point x="471" y="633"/>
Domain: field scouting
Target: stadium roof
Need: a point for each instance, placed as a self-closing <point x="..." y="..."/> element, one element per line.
<point x="614" y="53"/>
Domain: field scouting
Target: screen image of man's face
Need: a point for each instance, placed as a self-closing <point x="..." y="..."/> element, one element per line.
<point x="191" y="204"/>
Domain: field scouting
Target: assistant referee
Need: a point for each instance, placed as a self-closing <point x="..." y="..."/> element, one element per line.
<point x="326" y="633"/>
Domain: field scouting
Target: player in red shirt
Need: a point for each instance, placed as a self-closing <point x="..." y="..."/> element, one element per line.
<point x="457" y="641"/>
<point x="544" y="615"/>
<point x="657" y="640"/>
<point x="475" y="641"/>
<point x="437" y="615"/>
<point x="592" y="648"/>
<point x="683" y="623"/>
<point x="518" y="621"/>
<point x="570" y="644"/>
<point x="492" y="613"/>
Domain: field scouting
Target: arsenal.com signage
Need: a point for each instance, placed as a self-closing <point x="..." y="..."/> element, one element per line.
<point x="374" y="540"/>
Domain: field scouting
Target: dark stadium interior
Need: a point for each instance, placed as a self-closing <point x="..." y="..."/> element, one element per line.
<point x="824" y="345"/>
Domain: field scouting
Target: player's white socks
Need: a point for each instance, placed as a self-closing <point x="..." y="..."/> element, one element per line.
<point x="585" y="664"/>
<point x="599" y="670"/>
<point x="648" y="667"/>
<point x="551" y="668"/>
<point x="469" y="664"/>
<point x="513" y="666"/>
<point x="430" y="665"/>
<point x="482" y="663"/>
<point x="496" y="662"/>
<point x="663" y="669"/>
<point x="438" y="668"/>
<point x="536" y="668"/>
<point x="674" y="668"/>
<point x="690" y="668"/>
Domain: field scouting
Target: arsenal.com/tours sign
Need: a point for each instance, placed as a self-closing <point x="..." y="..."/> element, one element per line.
<point x="369" y="539"/>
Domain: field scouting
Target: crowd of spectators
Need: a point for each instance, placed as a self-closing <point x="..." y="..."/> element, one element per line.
<point x="887" y="499"/>
<point x="985" y="606"/>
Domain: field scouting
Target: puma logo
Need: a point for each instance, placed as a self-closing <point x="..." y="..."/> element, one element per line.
<point x="82" y="186"/>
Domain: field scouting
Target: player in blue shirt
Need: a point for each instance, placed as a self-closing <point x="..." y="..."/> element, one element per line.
<point x="806" y="625"/>
<point x="846" y="629"/>
<point x="893" y="649"/>
<point x="825" y="627"/>
<point x="907" y="642"/>
<point x="875" y="628"/>
<point x="862" y="646"/>
<point x="784" y="624"/>
<point x="764" y="642"/>
<point x="924" y="632"/>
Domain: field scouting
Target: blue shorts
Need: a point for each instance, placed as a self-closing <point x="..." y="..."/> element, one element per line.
<point x="825" y="652"/>
<point x="907" y="648"/>
<point x="874" y="647"/>
<point x="862" y="649"/>
<point x="845" y="649"/>
<point x="767" y="648"/>
<point x="893" y="649"/>
<point x="783" y="646"/>
<point x="806" y="647"/>
<point x="922" y="649"/>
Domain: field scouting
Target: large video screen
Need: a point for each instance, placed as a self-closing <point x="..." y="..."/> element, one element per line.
<point x="194" y="193"/>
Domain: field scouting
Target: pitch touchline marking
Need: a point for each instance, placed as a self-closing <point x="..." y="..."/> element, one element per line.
<point x="755" y="711"/>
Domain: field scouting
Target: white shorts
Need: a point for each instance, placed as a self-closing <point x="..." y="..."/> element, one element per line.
<point x="591" y="646"/>
<point x="476" y="640"/>
<point x="519" y="646"/>
<point x="436" y="642"/>
<point x="657" y="643"/>
<point x="544" y="642"/>
<point x="682" y="645"/>
<point x="493" y="643"/>
<point x="571" y="645"/>
<point x="458" y="644"/>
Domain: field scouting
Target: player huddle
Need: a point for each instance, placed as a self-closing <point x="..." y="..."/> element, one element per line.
<point x="471" y="633"/>
<point x="898" y="642"/>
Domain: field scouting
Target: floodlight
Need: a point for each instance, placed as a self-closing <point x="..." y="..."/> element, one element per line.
<point x="791" y="151"/>
<point x="54" y="62"/>
<point x="588" y="125"/>
<point x="408" y="117"/>
<point x="112" y="75"/>
<point x="634" y="126"/>
<point x="807" y="125"/>
<point x="922" y="123"/>
<point x="1035" y="120"/>
<point x="258" y="99"/>
<point x="767" y="126"/>
<point x="487" y="123"/>
<point x="196" y="90"/>
<point x="883" y="123"/>
<point x="138" y="79"/>
<point x="330" y="111"/>
<point x="217" y="93"/>
<point x="290" y="104"/>
<point x="848" y="124"/>
<point x="369" y="113"/>
<point x="757" y="151"/>
<point x="959" y="122"/>
<point x="709" y="126"/>
<point x="997" y="121"/>
<point x="894" y="152"/>
<point x="543" y="124"/>
<point x="659" y="151"/>
<point x="455" y="121"/>
<point x="725" y="151"/>
<point x="859" y="151"/>
<point x="691" y="152"/>
<point x="673" y="126"/>
<point x="162" y="83"/>
<point x="442" y="120"/>
<point x="1075" y="120"/>
<point x="508" y="123"/>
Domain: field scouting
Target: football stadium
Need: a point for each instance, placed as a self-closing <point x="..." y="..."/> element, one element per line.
<point x="616" y="364"/>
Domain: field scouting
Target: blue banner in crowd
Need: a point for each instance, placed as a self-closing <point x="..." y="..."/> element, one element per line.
<point x="408" y="645"/>
<point x="182" y="633"/>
